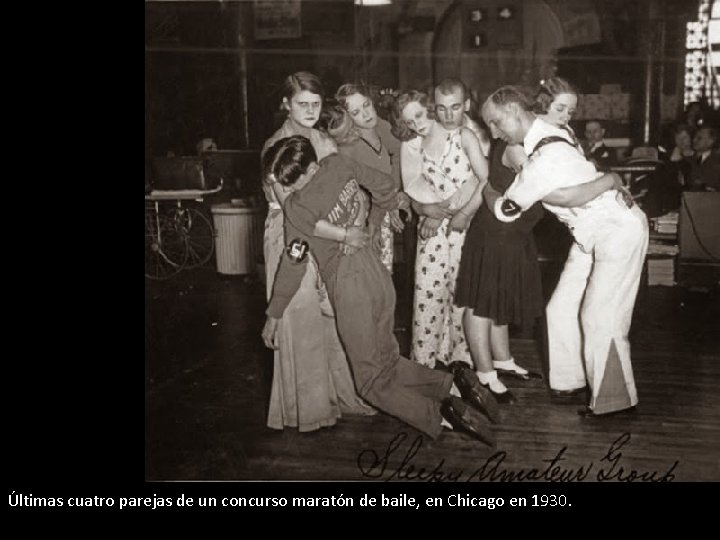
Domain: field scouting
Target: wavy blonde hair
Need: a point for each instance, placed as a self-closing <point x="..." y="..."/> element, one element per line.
<point x="339" y="125"/>
<point x="400" y="128"/>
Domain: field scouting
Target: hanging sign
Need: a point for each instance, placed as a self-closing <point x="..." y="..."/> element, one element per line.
<point x="277" y="19"/>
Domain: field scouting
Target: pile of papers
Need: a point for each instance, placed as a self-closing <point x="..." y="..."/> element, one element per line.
<point x="667" y="224"/>
<point x="656" y="248"/>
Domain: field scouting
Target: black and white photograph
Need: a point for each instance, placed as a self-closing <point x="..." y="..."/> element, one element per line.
<point x="420" y="241"/>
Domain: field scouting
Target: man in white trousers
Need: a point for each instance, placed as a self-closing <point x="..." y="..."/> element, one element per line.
<point x="590" y="311"/>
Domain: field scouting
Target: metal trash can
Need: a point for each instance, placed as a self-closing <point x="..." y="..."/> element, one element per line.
<point x="236" y="241"/>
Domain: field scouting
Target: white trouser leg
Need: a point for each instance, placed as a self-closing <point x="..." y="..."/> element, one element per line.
<point x="607" y="312"/>
<point x="563" y="322"/>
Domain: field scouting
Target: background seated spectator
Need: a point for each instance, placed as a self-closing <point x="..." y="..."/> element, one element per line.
<point x="683" y="142"/>
<point x="705" y="166"/>
<point x="681" y="151"/>
<point x="595" y="148"/>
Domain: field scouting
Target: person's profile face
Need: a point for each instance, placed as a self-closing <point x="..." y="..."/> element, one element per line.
<point x="703" y="141"/>
<point x="683" y="140"/>
<point x="505" y="124"/>
<point x="561" y="110"/>
<point x="594" y="132"/>
<point x="362" y="111"/>
<point x="304" y="108"/>
<point x="415" y="115"/>
<point x="450" y="108"/>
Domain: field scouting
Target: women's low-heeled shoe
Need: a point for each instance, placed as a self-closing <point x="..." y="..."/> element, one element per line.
<point x="506" y="397"/>
<point x="522" y="376"/>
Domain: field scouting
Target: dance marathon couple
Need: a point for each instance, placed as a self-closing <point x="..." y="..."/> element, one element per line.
<point x="603" y="266"/>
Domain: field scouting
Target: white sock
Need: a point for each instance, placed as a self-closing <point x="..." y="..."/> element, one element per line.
<point x="444" y="423"/>
<point x="487" y="378"/>
<point x="454" y="391"/>
<point x="491" y="379"/>
<point x="510" y="365"/>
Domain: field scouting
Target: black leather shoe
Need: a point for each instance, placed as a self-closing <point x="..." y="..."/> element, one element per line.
<point x="587" y="412"/>
<point x="567" y="395"/>
<point x="522" y="376"/>
<point x="475" y="393"/>
<point x="506" y="397"/>
<point x="442" y="367"/>
<point x="563" y="393"/>
<point x="465" y="418"/>
<point x="452" y="367"/>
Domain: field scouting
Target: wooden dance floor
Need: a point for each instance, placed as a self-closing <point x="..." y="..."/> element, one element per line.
<point x="208" y="380"/>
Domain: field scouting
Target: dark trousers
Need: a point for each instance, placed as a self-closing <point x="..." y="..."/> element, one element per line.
<point x="363" y="297"/>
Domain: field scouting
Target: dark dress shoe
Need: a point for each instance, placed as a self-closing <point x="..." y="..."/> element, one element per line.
<point x="522" y="376"/>
<point x="465" y="418"/>
<point x="462" y="372"/>
<point x="567" y="393"/>
<point x="439" y="366"/>
<point x="568" y="396"/>
<point x="456" y="365"/>
<point x="475" y="393"/>
<point x="587" y="412"/>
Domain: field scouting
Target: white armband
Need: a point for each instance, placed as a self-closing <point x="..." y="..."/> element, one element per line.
<point x="503" y="214"/>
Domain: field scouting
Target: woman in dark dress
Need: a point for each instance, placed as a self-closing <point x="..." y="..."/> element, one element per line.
<point x="499" y="278"/>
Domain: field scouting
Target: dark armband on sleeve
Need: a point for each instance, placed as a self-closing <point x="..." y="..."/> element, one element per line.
<point x="297" y="250"/>
<point x="509" y="208"/>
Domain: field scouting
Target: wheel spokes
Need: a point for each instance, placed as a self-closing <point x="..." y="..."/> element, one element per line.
<point x="165" y="249"/>
<point x="199" y="235"/>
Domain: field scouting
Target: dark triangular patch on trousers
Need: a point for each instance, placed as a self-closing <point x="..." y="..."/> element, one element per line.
<point x="613" y="394"/>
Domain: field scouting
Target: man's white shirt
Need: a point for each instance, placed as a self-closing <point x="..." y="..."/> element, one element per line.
<point x="554" y="166"/>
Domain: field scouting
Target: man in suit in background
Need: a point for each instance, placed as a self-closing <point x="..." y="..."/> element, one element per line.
<point x="596" y="150"/>
<point x="705" y="170"/>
